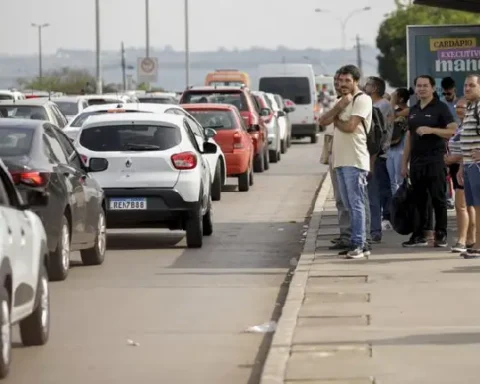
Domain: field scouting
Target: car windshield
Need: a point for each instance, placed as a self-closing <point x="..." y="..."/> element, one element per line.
<point x="15" y="141"/>
<point x="26" y="112"/>
<point x="68" y="108"/>
<point x="296" y="89"/>
<point x="130" y="138"/>
<point x="80" y="119"/>
<point x="158" y="100"/>
<point x="214" y="119"/>
<point x="233" y="98"/>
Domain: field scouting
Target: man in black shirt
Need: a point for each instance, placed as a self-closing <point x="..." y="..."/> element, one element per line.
<point x="430" y="124"/>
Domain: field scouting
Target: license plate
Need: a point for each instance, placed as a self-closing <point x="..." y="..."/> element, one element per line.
<point x="128" y="204"/>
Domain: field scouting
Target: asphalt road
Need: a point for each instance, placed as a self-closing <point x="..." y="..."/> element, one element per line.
<point x="187" y="309"/>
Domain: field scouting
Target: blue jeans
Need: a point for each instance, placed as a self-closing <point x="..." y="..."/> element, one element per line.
<point x="471" y="174"/>
<point x="380" y="195"/>
<point x="394" y="167"/>
<point x="352" y="184"/>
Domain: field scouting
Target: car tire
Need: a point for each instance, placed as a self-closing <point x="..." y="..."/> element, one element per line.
<point x="273" y="156"/>
<point x="59" y="260"/>
<point x="217" y="183"/>
<point x="194" y="228"/>
<point x="267" y="159"/>
<point x="251" y="178"/>
<point x="35" y="329"/>
<point x="289" y="141"/>
<point x="283" y="146"/>
<point x="208" y="220"/>
<point x="96" y="254"/>
<point x="6" y="333"/>
<point x="244" y="181"/>
<point x="314" y="139"/>
<point x="259" y="163"/>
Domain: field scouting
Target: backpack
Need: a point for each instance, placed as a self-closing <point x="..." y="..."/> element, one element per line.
<point x="378" y="130"/>
<point x="400" y="127"/>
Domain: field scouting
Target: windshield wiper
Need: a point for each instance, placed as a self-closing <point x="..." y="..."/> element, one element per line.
<point x="141" y="147"/>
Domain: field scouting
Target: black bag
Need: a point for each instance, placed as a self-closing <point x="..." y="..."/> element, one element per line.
<point x="400" y="127"/>
<point x="378" y="130"/>
<point x="403" y="210"/>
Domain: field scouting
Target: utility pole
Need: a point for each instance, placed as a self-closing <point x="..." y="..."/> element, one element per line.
<point x="40" y="64"/>
<point x="359" y="54"/>
<point x="187" y="46"/>
<point x="147" y="29"/>
<point x="124" y="68"/>
<point x="97" y="43"/>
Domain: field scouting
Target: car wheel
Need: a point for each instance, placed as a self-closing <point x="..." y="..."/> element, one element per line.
<point x="279" y="156"/>
<point x="59" y="260"/>
<point x="96" y="254"/>
<point x="6" y="333"/>
<point x="259" y="163"/>
<point x="194" y="228"/>
<point x="251" y="178"/>
<point x="273" y="156"/>
<point x="35" y="329"/>
<point x="267" y="159"/>
<point x="283" y="146"/>
<point x="244" y="181"/>
<point x="314" y="139"/>
<point x="208" y="220"/>
<point x="217" y="183"/>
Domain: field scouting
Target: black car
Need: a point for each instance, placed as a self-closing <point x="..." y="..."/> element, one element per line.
<point x="42" y="159"/>
<point x="35" y="109"/>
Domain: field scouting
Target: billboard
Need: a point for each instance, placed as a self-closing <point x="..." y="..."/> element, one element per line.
<point x="441" y="51"/>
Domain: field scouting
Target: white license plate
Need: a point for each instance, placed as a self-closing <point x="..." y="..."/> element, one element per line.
<point x="129" y="204"/>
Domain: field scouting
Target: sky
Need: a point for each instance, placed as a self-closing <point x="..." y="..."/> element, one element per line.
<point x="213" y="24"/>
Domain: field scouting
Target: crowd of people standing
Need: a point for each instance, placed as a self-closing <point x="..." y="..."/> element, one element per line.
<point x="433" y="144"/>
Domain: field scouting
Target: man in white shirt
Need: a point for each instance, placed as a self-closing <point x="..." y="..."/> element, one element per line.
<point x="352" y="117"/>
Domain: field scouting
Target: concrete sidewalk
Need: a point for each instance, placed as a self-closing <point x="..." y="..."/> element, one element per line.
<point x="400" y="317"/>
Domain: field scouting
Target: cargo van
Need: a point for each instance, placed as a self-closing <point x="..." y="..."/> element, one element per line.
<point x="295" y="82"/>
<point x="227" y="77"/>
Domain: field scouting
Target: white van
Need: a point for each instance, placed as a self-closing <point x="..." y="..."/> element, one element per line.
<point x="295" y="82"/>
<point x="11" y="95"/>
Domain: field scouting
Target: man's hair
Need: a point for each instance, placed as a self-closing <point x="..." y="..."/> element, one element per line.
<point x="447" y="83"/>
<point x="430" y="79"/>
<point x="379" y="85"/>
<point x="350" y="70"/>
<point x="403" y="95"/>
<point x="477" y="75"/>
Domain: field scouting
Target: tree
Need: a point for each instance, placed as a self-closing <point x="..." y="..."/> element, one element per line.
<point x="392" y="40"/>
<point x="66" y="80"/>
<point x="145" y="87"/>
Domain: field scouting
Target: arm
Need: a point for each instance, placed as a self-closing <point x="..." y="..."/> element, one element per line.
<point x="348" y="126"/>
<point x="406" y="151"/>
<point x="362" y="107"/>
<point x="328" y="117"/>
<point x="444" y="133"/>
<point x="403" y="113"/>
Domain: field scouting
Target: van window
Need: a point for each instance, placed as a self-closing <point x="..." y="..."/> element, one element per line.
<point x="296" y="89"/>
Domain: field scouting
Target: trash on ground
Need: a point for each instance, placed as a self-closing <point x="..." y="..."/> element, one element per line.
<point x="271" y="326"/>
<point x="132" y="343"/>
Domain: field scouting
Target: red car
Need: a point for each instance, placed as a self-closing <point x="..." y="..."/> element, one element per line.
<point x="250" y="111"/>
<point x="232" y="137"/>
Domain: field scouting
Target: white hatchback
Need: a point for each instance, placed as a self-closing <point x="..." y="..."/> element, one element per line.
<point x="157" y="174"/>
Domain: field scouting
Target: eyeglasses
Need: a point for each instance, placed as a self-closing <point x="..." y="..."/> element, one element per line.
<point x="460" y="107"/>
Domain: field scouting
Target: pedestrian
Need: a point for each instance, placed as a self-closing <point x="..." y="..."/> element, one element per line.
<point x="469" y="171"/>
<point x="352" y="118"/>
<point x="430" y="123"/>
<point x="379" y="185"/>
<point x="465" y="215"/>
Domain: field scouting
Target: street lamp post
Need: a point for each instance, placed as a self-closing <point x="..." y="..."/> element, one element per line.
<point x="187" y="46"/>
<point x="40" y="66"/>
<point x="97" y="43"/>
<point x="147" y="29"/>
<point x="343" y="22"/>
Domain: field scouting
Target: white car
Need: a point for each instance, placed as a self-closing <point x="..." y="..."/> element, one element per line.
<point x="24" y="293"/>
<point x="218" y="167"/>
<point x="70" y="106"/>
<point x="282" y="121"/>
<point x="157" y="174"/>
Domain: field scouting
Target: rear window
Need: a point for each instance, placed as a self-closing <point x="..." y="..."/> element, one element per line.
<point x="226" y="83"/>
<point x="215" y="119"/>
<point x="233" y="98"/>
<point x="6" y="97"/>
<point x="80" y="119"/>
<point x="130" y="138"/>
<point x="15" y="141"/>
<point x="26" y="112"/>
<point x="104" y="101"/>
<point x="158" y="100"/>
<point x="68" y="108"/>
<point x="296" y="89"/>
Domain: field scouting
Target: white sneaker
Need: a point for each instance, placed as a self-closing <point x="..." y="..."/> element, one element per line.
<point x="386" y="225"/>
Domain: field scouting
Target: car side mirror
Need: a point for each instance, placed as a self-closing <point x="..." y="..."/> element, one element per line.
<point x="210" y="132"/>
<point x="97" y="164"/>
<point x="265" y="112"/>
<point x="281" y="113"/>
<point x="209" y="148"/>
<point x="36" y="199"/>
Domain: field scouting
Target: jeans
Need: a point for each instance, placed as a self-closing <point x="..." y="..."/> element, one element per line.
<point x="471" y="174"/>
<point x="343" y="215"/>
<point x="428" y="183"/>
<point x="380" y="195"/>
<point x="394" y="167"/>
<point x="352" y="183"/>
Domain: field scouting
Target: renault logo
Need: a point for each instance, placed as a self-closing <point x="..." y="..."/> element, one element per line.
<point x="128" y="163"/>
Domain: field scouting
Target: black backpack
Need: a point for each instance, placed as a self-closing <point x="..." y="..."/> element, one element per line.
<point x="378" y="130"/>
<point x="400" y="127"/>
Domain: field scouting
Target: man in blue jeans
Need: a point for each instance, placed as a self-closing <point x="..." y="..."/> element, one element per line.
<point x="352" y="117"/>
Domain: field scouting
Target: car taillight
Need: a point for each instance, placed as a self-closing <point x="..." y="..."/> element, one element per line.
<point x="33" y="179"/>
<point x="237" y="141"/>
<point x="184" y="160"/>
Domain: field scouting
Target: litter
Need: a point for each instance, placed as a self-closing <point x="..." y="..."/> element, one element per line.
<point x="132" y="343"/>
<point x="271" y="326"/>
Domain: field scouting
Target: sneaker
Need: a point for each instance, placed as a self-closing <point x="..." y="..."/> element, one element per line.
<point x="470" y="246"/>
<point x="355" y="253"/>
<point x="471" y="254"/>
<point x="458" y="248"/>
<point x="367" y="250"/>
<point x="339" y="246"/>
<point x="386" y="225"/>
<point x="415" y="242"/>
<point x="376" y="239"/>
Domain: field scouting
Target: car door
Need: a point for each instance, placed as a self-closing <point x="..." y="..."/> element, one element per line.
<point x="91" y="195"/>
<point x="74" y="184"/>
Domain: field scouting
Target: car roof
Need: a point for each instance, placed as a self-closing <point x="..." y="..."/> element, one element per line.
<point x="28" y="102"/>
<point x="20" y="123"/>
<point x="207" y="106"/>
<point x="160" y="118"/>
<point x="68" y="98"/>
<point x="215" y="88"/>
<point x="150" y="107"/>
<point x="90" y="97"/>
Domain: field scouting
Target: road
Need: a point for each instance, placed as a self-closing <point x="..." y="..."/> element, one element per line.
<point x="187" y="309"/>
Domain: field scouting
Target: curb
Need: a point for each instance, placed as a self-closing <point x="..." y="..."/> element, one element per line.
<point x="275" y="367"/>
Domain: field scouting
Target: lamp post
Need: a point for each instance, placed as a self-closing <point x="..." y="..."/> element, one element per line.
<point x="343" y="22"/>
<point x="147" y="29"/>
<point x="40" y="66"/>
<point x="97" y="43"/>
<point x="187" y="46"/>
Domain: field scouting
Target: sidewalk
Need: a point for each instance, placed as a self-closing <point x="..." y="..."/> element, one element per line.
<point x="400" y="317"/>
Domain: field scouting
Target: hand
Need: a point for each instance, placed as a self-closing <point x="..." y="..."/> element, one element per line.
<point x="345" y="100"/>
<point x="424" y="131"/>
<point x="460" y="177"/>
<point x="404" y="171"/>
<point x="476" y="155"/>
<point x="447" y="160"/>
